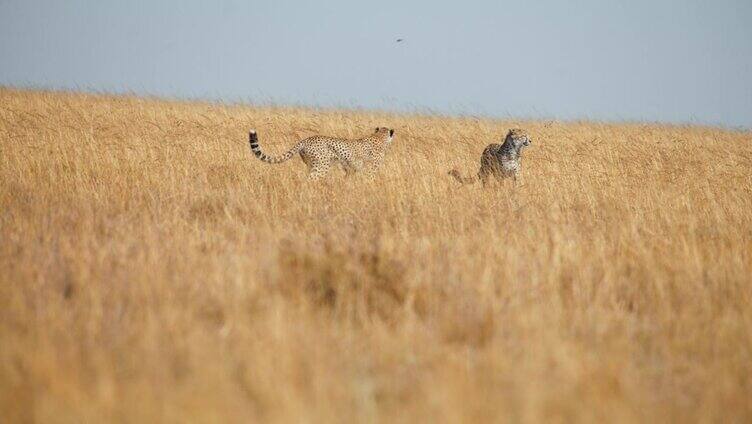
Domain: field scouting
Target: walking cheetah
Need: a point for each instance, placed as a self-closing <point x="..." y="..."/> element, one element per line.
<point x="320" y="152"/>
<point x="499" y="160"/>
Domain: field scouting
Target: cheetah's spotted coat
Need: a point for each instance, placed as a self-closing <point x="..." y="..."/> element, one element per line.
<point x="320" y="152"/>
<point x="499" y="160"/>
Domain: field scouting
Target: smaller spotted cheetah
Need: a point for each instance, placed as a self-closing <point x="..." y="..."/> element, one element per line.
<point x="499" y="160"/>
<point x="320" y="152"/>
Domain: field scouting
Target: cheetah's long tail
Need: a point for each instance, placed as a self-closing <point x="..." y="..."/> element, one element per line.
<point x="463" y="180"/>
<point x="253" y="140"/>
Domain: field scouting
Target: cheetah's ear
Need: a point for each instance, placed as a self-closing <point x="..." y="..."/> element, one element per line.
<point x="391" y="133"/>
<point x="377" y="129"/>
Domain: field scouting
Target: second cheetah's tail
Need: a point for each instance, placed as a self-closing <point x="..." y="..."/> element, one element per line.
<point x="253" y="141"/>
<point x="463" y="180"/>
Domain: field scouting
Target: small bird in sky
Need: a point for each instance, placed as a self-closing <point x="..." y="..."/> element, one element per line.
<point x="399" y="40"/>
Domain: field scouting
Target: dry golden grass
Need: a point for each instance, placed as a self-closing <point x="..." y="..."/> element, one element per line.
<point x="151" y="269"/>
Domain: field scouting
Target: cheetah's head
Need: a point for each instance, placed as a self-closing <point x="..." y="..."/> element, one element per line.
<point x="385" y="132"/>
<point x="518" y="138"/>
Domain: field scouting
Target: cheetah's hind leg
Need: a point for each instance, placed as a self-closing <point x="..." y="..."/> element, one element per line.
<point x="316" y="172"/>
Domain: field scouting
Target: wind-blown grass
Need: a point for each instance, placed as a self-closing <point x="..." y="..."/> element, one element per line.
<point x="151" y="269"/>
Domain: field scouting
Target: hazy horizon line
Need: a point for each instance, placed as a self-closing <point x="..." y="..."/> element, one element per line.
<point x="414" y="109"/>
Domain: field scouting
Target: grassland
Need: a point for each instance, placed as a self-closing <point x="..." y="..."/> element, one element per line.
<point x="152" y="270"/>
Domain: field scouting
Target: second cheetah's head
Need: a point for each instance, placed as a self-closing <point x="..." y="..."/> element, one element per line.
<point x="385" y="132"/>
<point x="518" y="138"/>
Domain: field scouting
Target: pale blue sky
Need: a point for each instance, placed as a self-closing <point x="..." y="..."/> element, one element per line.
<point x="671" y="60"/>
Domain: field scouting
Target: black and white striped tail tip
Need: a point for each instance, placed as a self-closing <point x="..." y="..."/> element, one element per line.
<point x="253" y="141"/>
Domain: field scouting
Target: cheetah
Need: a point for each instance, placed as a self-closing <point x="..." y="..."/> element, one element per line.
<point x="499" y="160"/>
<point x="320" y="152"/>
